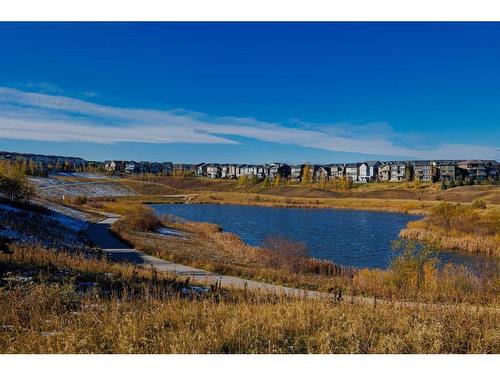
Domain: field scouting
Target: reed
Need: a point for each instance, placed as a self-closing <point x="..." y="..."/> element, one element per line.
<point x="52" y="314"/>
<point x="455" y="226"/>
<point x="206" y="246"/>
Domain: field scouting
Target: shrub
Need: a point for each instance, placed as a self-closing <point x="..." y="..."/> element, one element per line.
<point x="286" y="252"/>
<point x="478" y="203"/>
<point x="79" y="200"/>
<point x="141" y="218"/>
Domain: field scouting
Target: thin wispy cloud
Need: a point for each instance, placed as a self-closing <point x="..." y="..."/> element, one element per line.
<point x="56" y="118"/>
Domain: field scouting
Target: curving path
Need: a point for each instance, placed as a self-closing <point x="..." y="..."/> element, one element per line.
<point x="117" y="250"/>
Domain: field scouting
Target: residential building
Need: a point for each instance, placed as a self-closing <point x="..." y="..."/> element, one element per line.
<point x="399" y="171"/>
<point x="450" y="171"/>
<point x="167" y="168"/>
<point x="213" y="170"/>
<point x="425" y="171"/>
<point x="368" y="171"/>
<point x="201" y="170"/>
<point x="352" y="171"/>
<point x="296" y="172"/>
<point x="277" y="169"/>
<point x="114" y="166"/>
<point x="384" y="171"/>
<point x="477" y="169"/>
<point x="337" y="171"/>
<point x="321" y="174"/>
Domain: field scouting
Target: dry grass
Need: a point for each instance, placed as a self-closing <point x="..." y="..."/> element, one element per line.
<point x="382" y="190"/>
<point x="177" y="325"/>
<point x="134" y="310"/>
<point x="400" y="205"/>
<point x="461" y="227"/>
<point x="147" y="187"/>
<point x="209" y="248"/>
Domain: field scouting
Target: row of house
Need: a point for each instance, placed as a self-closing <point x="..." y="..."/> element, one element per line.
<point x="368" y="171"/>
<point x="236" y="170"/>
<point x="134" y="167"/>
<point x="44" y="163"/>
<point x="362" y="172"/>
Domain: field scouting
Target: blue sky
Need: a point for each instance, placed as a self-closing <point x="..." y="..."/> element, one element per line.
<point x="251" y="92"/>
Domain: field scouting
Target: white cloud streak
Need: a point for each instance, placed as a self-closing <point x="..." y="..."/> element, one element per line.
<point x="41" y="117"/>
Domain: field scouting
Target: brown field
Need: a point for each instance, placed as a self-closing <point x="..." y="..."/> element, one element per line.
<point x="404" y="190"/>
<point x="74" y="304"/>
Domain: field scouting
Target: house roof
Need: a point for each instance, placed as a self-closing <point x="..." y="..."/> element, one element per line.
<point x="372" y="163"/>
<point x="352" y="165"/>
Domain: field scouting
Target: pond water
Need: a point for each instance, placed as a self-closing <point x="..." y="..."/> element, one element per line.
<point x="345" y="237"/>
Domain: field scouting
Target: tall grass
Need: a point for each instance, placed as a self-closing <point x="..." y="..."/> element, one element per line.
<point x="135" y="310"/>
<point x="54" y="319"/>
<point x="456" y="226"/>
<point x="280" y="261"/>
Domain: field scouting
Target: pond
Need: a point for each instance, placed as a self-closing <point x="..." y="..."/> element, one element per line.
<point x="346" y="237"/>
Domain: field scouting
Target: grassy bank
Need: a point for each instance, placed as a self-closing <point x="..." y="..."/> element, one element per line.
<point x="454" y="226"/>
<point x="416" y="191"/>
<point x="413" y="276"/>
<point x="79" y="305"/>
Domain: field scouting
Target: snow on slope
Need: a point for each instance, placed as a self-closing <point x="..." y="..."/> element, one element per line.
<point x="54" y="188"/>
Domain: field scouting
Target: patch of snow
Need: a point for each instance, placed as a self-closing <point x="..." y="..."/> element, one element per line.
<point x="18" y="279"/>
<point x="52" y="187"/>
<point x="69" y="222"/>
<point x="170" y="232"/>
<point x="192" y="291"/>
<point x="95" y="176"/>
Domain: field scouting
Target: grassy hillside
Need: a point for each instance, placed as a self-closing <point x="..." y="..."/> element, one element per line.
<point x="51" y="302"/>
<point x="386" y="190"/>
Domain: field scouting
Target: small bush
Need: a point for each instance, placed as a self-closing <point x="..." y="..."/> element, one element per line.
<point x="285" y="252"/>
<point x="79" y="200"/>
<point x="141" y="218"/>
<point x="478" y="203"/>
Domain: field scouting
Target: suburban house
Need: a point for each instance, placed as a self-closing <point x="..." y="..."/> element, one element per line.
<point x="296" y="172"/>
<point x="277" y="169"/>
<point x="154" y="167"/>
<point x="184" y="169"/>
<point x="132" y="167"/>
<point x="321" y="174"/>
<point x="368" y="171"/>
<point x="253" y="170"/>
<point x="425" y="170"/>
<point x="213" y="170"/>
<point x="399" y="171"/>
<point x="240" y="169"/>
<point x="167" y="168"/>
<point x="229" y="170"/>
<point x="114" y="166"/>
<point x="384" y="171"/>
<point x="337" y="171"/>
<point x="450" y="171"/>
<point x="201" y="170"/>
<point x="494" y="171"/>
<point x="224" y="171"/>
<point x="352" y="171"/>
<point x="477" y="169"/>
